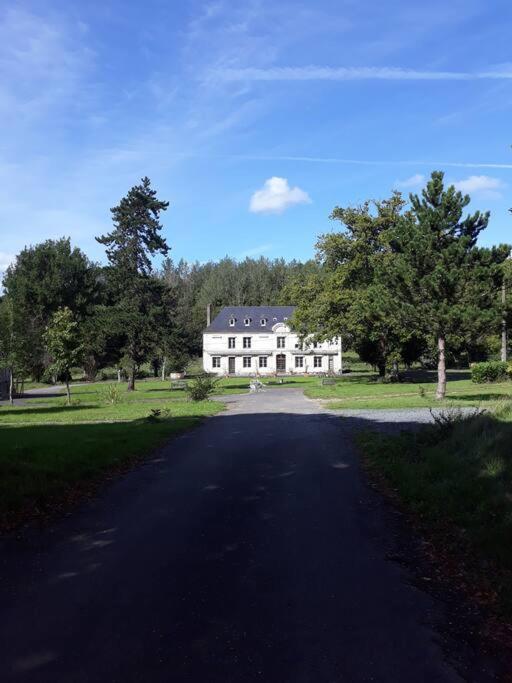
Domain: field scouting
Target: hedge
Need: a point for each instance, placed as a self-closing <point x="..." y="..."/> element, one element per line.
<point x="491" y="371"/>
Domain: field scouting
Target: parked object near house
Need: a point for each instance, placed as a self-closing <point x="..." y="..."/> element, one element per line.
<point x="257" y="340"/>
<point x="5" y="379"/>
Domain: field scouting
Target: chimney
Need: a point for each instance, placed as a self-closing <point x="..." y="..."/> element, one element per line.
<point x="208" y="315"/>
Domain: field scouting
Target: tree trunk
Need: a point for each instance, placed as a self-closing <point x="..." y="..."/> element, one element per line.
<point x="131" y="379"/>
<point x="11" y="387"/>
<point x="341" y="356"/>
<point x="503" y="323"/>
<point x="68" y="392"/>
<point x="163" y="369"/>
<point x="441" y="369"/>
<point x="394" y="371"/>
<point x="382" y="369"/>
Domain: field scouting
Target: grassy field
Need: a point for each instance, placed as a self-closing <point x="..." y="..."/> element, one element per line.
<point x="457" y="479"/>
<point x="416" y="391"/>
<point x="49" y="450"/>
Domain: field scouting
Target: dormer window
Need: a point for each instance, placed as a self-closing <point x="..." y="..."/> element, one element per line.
<point x="263" y="322"/>
<point x="247" y="321"/>
<point x="285" y="319"/>
<point x="232" y="322"/>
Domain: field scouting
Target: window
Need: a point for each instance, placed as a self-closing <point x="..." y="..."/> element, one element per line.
<point x="285" y="319"/>
<point x="247" y="342"/>
<point x="280" y="342"/>
<point x="317" y="362"/>
<point x="299" y="361"/>
<point x="247" y="321"/>
<point x="263" y="362"/>
<point x="315" y="345"/>
<point x="247" y="361"/>
<point x="263" y="322"/>
<point x="232" y="322"/>
<point x="216" y="362"/>
<point x="231" y="342"/>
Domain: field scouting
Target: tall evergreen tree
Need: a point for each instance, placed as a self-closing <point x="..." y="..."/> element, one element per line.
<point x="132" y="243"/>
<point x="451" y="283"/>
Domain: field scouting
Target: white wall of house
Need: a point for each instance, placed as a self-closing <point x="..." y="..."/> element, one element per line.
<point x="266" y="352"/>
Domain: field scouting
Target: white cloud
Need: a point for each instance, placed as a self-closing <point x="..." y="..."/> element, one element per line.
<point x="414" y="181"/>
<point x="276" y="196"/>
<point x="483" y="186"/>
<point x="255" y="251"/>
<point x="42" y="63"/>
<point x="369" y="162"/>
<point x="352" y="73"/>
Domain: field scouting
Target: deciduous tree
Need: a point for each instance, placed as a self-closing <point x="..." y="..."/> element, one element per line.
<point x="62" y="340"/>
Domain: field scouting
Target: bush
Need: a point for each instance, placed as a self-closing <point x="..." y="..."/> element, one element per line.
<point x="157" y="414"/>
<point x="110" y="394"/>
<point x="491" y="371"/>
<point x="447" y="420"/>
<point x="200" y="388"/>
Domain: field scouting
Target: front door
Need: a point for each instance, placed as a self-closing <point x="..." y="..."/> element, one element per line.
<point x="280" y="362"/>
<point x="331" y="364"/>
<point x="231" y="364"/>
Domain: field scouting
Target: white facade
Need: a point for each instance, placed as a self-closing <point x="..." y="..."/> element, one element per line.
<point x="266" y="349"/>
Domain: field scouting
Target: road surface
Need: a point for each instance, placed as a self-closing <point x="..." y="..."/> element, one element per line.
<point x="249" y="549"/>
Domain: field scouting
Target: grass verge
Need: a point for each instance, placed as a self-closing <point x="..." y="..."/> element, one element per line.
<point x="457" y="480"/>
<point x="50" y="454"/>
<point x="416" y="391"/>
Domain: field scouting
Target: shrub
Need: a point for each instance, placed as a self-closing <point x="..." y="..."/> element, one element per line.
<point x="490" y="371"/>
<point x="110" y="394"/>
<point x="200" y="388"/>
<point x="447" y="420"/>
<point x="156" y="414"/>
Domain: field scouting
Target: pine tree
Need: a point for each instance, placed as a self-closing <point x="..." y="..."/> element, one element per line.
<point x="135" y="239"/>
<point x="451" y="280"/>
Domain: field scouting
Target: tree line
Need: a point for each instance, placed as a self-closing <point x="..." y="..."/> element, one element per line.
<point x="406" y="281"/>
<point x="61" y="310"/>
<point x="399" y="282"/>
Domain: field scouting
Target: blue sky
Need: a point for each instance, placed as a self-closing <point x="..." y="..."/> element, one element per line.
<point x="254" y="118"/>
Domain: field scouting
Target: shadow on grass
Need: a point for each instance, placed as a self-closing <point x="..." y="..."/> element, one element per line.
<point x="480" y="397"/>
<point x="459" y="474"/>
<point x="39" y="463"/>
<point x="430" y="376"/>
<point x="42" y="410"/>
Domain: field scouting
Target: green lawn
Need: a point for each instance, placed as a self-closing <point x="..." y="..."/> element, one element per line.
<point x="417" y="391"/>
<point x="50" y="450"/>
<point x="457" y="480"/>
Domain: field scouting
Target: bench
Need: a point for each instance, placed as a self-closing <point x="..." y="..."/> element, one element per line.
<point x="328" y="381"/>
<point x="178" y="384"/>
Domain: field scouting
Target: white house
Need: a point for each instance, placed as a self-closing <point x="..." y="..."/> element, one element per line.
<point x="250" y="340"/>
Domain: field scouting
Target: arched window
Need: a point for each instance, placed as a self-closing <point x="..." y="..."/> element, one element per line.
<point x="232" y="322"/>
<point x="247" y="322"/>
<point x="263" y="322"/>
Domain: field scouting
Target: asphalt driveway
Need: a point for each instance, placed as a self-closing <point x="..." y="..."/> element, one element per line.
<point x="247" y="550"/>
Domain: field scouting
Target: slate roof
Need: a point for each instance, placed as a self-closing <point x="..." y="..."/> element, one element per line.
<point x="273" y="314"/>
